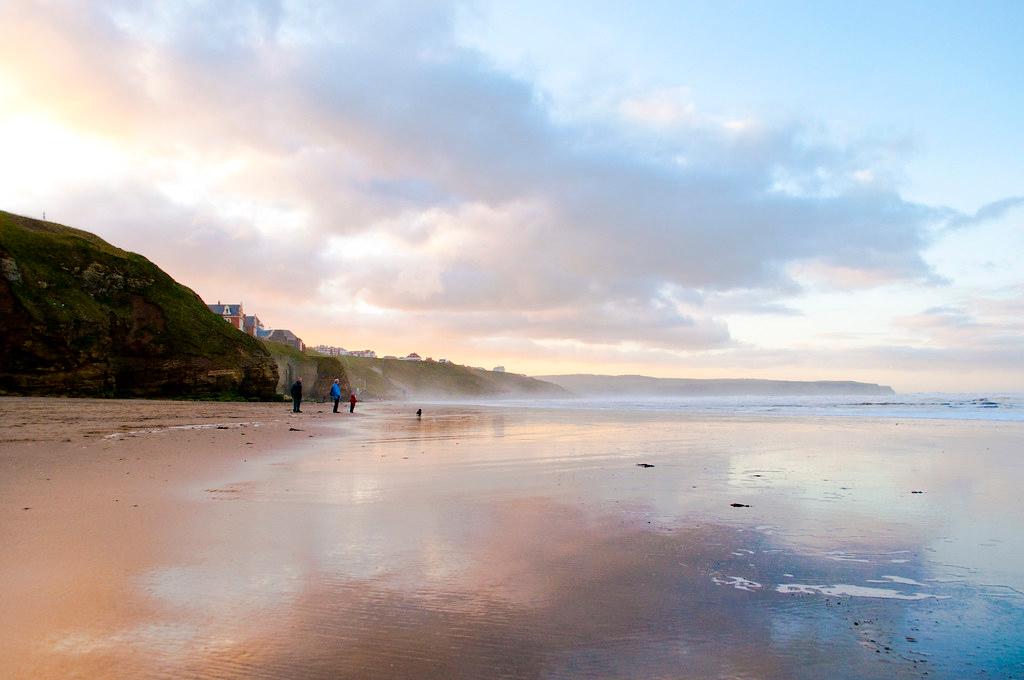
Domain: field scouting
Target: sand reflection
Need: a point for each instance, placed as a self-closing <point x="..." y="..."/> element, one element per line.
<point x="550" y="591"/>
<point x="478" y="543"/>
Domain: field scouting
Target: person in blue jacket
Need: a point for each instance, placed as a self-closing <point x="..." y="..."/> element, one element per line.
<point x="336" y="393"/>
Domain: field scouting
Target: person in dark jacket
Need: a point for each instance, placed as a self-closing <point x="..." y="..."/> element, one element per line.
<point x="336" y="393"/>
<point x="352" y="403"/>
<point x="297" y="395"/>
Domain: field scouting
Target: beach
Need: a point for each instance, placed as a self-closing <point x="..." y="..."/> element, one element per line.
<point x="202" y="539"/>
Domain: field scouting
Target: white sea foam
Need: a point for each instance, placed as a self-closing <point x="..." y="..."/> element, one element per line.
<point x="844" y="589"/>
<point x="737" y="582"/>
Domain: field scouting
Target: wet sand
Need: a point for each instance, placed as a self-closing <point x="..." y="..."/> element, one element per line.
<point x="496" y="542"/>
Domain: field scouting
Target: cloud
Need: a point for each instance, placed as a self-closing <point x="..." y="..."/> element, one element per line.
<point x="982" y="324"/>
<point x="987" y="212"/>
<point x="665" y="107"/>
<point x="366" y="152"/>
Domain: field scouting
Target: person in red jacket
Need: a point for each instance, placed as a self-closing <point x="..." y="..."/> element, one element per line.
<point x="352" y="403"/>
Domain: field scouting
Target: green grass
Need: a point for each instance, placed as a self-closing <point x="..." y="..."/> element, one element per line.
<point x="58" y="260"/>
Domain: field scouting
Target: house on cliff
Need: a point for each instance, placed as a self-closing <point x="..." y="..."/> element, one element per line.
<point x="252" y="325"/>
<point x="331" y="350"/>
<point x="231" y="313"/>
<point x="286" y="337"/>
<point x="249" y="324"/>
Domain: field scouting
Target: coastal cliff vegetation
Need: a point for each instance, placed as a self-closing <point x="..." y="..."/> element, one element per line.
<point x="84" y="318"/>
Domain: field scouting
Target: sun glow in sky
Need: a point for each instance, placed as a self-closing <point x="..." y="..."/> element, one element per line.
<point x="779" y="190"/>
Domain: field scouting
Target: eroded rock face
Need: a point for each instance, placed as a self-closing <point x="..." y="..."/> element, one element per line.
<point x="80" y="317"/>
<point x="10" y="269"/>
<point x="317" y="373"/>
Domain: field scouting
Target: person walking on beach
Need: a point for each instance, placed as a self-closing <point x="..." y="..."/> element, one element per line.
<point x="352" y="403"/>
<point x="297" y="395"/>
<point x="336" y="393"/>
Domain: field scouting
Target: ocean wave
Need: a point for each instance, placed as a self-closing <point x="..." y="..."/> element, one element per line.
<point x="1002" y="407"/>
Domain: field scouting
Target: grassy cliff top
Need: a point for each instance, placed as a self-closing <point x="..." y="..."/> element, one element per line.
<point x="65" y="276"/>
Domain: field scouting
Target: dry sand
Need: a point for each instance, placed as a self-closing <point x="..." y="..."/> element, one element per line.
<point x="493" y="542"/>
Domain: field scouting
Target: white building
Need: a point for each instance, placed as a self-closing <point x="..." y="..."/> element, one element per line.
<point x="498" y="369"/>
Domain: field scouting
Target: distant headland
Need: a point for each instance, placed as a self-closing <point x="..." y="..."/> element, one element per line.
<point x="586" y="385"/>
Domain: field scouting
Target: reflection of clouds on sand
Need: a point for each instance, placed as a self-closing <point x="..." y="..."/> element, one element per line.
<point x="844" y="490"/>
<point x="570" y="592"/>
<point x="169" y="639"/>
<point x="353" y="488"/>
<point x="245" y="586"/>
<point x="532" y="545"/>
<point x="378" y="542"/>
<point x="434" y="540"/>
<point x="576" y="592"/>
<point x="863" y="471"/>
<point x="972" y="483"/>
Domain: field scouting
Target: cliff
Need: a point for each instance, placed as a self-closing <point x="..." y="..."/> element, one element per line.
<point x="83" y="318"/>
<point x="317" y="372"/>
<point x="397" y="379"/>
<point x="643" y="386"/>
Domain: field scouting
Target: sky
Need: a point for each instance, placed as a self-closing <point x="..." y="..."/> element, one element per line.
<point x="731" y="189"/>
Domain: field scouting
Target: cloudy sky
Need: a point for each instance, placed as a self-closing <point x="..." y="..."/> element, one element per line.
<point x="730" y="189"/>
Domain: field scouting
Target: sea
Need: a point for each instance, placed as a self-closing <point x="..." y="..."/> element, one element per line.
<point x="995" y="406"/>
